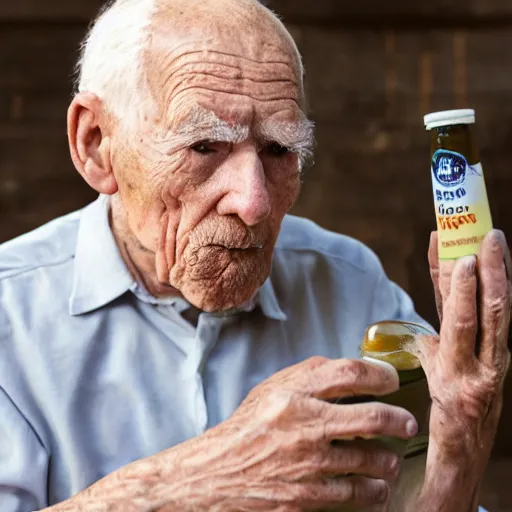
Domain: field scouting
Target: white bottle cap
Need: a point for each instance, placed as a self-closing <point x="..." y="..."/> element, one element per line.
<point x="449" y="117"/>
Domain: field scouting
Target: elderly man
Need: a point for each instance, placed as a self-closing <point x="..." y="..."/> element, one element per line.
<point x="156" y="347"/>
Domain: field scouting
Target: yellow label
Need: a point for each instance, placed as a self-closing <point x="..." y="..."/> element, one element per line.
<point x="462" y="209"/>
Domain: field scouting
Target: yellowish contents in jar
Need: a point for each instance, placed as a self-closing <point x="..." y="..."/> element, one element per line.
<point x="389" y="341"/>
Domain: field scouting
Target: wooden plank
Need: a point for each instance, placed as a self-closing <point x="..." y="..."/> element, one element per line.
<point x="49" y="10"/>
<point x="382" y="82"/>
<point x="33" y="111"/>
<point x="17" y="223"/>
<point x="38" y="57"/>
<point x="34" y="158"/>
<point x="37" y="182"/>
<point x="394" y="12"/>
<point x="331" y="12"/>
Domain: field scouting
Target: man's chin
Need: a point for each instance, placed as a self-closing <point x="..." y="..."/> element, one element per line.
<point x="217" y="280"/>
<point x="223" y="295"/>
<point x="217" y="299"/>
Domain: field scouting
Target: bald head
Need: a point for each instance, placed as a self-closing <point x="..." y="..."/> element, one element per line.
<point x="130" y="38"/>
<point x="246" y="24"/>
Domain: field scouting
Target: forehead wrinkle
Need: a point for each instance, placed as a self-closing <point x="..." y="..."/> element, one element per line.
<point x="175" y="61"/>
<point x="204" y="121"/>
<point x="258" y="81"/>
<point x="215" y="57"/>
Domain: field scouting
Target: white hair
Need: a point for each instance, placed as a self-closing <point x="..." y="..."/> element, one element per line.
<point x="110" y="65"/>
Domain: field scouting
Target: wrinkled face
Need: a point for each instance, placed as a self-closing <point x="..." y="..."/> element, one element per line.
<point x="209" y="178"/>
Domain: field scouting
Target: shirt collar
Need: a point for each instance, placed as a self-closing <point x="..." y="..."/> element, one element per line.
<point x="268" y="302"/>
<point x="101" y="275"/>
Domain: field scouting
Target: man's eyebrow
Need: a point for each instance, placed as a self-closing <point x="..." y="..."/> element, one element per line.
<point x="293" y="135"/>
<point x="297" y="136"/>
<point x="202" y="124"/>
<point x="216" y="130"/>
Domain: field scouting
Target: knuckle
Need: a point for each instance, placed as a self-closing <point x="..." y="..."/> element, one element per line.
<point x="378" y="417"/>
<point x="496" y="306"/>
<point x="300" y="493"/>
<point x="369" y="491"/>
<point x="351" y="490"/>
<point x="491" y="382"/>
<point x="388" y="465"/>
<point x="379" y="491"/>
<point x="315" y="362"/>
<point x="392" y="464"/>
<point x="353" y="371"/>
<point x="301" y="443"/>
<point x="463" y="325"/>
<point x="276" y="406"/>
<point x="389" y="379"/>
<point x="362" y="459"/>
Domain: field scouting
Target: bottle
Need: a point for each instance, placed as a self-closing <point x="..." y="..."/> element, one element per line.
<point x="460" y="197"/>
<point x="389" y="341"/>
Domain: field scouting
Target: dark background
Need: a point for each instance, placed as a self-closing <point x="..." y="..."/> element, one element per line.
<point x="374" y="68"/>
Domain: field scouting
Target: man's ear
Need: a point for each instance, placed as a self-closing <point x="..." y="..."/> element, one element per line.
<point x="89" y="142"/>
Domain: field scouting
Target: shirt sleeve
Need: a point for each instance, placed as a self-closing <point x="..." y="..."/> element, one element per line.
<point x="23" y="462"/>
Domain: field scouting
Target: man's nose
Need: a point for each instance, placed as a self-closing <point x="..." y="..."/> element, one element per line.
<point x="247" y="192"/>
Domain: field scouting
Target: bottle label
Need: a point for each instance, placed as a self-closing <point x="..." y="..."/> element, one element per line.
<point x="462" y="209"/>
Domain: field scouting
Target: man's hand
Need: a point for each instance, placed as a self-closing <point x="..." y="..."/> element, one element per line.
<point x="466" y="367"/>
<point x="276" y="452"/>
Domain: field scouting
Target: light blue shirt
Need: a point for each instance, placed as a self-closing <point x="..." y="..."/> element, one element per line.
<point x="95" y="373"/>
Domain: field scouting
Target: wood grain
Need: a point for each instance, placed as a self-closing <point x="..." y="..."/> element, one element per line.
<point x="331" y="12"/>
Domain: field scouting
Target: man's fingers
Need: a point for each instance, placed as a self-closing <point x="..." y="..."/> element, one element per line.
<point x="441" y="274"/>
<point x="433" y="260"/>
<point x="364" y="458"/>
<point x="446" y="268"/>
<point x="460" y="322"/>
<point x="367" y="420"/>
<point x="339" y="378"/>
<point x="494" y="300"/>
<point x="351" y="490"/>
<point x="506" y="252"/>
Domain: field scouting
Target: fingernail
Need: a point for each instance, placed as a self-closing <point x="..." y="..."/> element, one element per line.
<point x="469" y="264"/>
<point x="495" y="236"/>
<point x="495" y="240"/>
<point x="411" y="428"/>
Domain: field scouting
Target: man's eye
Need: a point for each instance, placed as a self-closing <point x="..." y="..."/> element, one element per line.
<point x="203" y="148"/>
<point x="276" y="149"/>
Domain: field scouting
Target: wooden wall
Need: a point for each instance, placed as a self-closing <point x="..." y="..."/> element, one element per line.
<point x="373" y="69"/>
